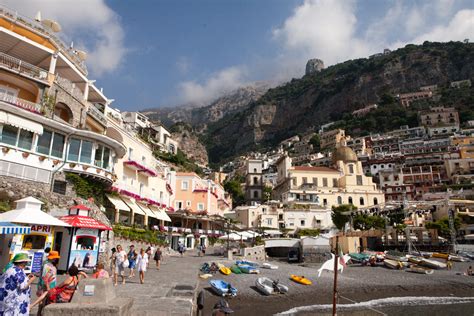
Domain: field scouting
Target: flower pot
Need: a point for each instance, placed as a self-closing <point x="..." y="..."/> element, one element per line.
<point x="41" y="158"/>
<point x="5" y="150"/>
<point x="55" y="162"/>
<point x="85" y="168"/>
<point x="98" y="170"/>
<point x="72" y="165"/>
<point x="25" y="154"/>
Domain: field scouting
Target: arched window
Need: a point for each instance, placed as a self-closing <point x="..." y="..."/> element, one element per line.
<point x="339" y="200"/>
<point x="255" y="180"/>
<point x="63" y="112"/>
<point x="351" y="168"/>
<point x="361" y="201"/>
<point x="350" y="200"/>
<point x="376" y="201"/>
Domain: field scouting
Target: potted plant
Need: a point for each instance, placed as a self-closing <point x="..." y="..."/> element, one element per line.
<point x="72" y="165"/>
<point x="25" y="154"/>
<point x="5" y="150"/>
<point x="84" y="167"/>
<point x="98" y="170"/>
<point x="41" y="158"/>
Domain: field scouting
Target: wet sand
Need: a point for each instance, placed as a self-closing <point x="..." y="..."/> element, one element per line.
<point x="356" y="283"/>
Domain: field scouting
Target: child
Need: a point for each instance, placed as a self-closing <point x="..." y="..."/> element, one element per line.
<point x="100" y="272"/>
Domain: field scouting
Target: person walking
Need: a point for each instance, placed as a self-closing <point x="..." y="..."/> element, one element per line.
<point x="142" y="262"/>
<point x="48" y="277"/>
<point x="181" y="248"/>
<point x="132" y="261"/>
<point x="148" y="252"/>
<point x="15" y="288"/>
<point x="203" y="249"/>
<point x="119" y="257"/>
<point x="157" y="257"/>
<point x="199" y="250"/>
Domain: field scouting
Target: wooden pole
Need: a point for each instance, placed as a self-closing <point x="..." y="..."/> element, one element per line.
<point x="334" y="294"/>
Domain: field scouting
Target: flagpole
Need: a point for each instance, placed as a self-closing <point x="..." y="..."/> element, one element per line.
<point x="334" y="293"/>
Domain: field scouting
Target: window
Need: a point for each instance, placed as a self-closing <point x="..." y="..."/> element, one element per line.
<point x="58" y="145"/>
<point x="106" y="159"/>
<point x="361" y="201"/>
<point x="350" y="200"/>
<point x="280" y="217"/>
<point x="59" y="187"/>
<point x="305" y="180"/>
<point x="25" y="139"/>
<point x="86" y="152"/>
<point x="269" y="221"/>
<point x="294" y="181"/>
<point x="8" y="94"/>
<point x="179" y="205"/>
<point x="130" y="153"/>
<point x="339" y="200"/>
<point x="74" y="148"/>
<point x="255" y="180"/>
<point x="302" y="222"/>
<point x="325" y="182"/>
<point x="315" y="181"/>
<point x="351" y="168"/>
<point x="200" y="206"/>
<point x="255" y="194"/>
<point x="292" y="224"/>
<point x="184" y="185"/>
<point x="142" y="189"/>
<point x="325" y="202"/>
<point x="188" y="203"/>
<point x="334" y="182"/>
<point x="359" y="180"/>
<point x="9" y="135"/>
<point x="44" y="142"/>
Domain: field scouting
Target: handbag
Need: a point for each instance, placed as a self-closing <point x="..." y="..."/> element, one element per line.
<point x="125" y="263"/>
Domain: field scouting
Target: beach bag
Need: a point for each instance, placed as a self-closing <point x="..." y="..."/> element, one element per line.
<point x="125" y="264"/>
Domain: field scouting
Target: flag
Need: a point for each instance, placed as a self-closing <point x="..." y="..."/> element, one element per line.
<point x="341" y="258"/>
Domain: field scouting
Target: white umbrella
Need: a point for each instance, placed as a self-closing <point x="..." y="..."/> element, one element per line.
<point x="233" y="236"/>
<point x="29" y="212"/>
<point x="249" y="234"/>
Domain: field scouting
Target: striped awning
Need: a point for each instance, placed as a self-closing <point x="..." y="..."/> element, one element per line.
<point x="9" y="228"/>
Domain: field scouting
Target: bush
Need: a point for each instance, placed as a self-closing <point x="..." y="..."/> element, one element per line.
<point x="87" y="188"/>
<point x="139" y="234"/>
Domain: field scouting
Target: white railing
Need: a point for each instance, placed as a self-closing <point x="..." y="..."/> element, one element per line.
<point x="98" y="115"/>
<point x="21" y="67"/>
<point x="21" y="103"/>
<point x="36" y="26"/>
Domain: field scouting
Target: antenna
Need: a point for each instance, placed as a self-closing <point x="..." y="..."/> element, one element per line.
<point x="51" y="24"/>
<point x="71" y="46"/>
<point x="38" y="16"/>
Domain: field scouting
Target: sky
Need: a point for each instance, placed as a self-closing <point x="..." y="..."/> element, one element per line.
<point x="157" y="53"/>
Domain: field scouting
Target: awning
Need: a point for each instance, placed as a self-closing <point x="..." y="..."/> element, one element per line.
<point x="9" y="228"/>
<point x="118" y="203"/>
<point x="135" y="208"/>
<point x="84" y="222"/>
<point x="146" y="210"/>
<point x="160" y="214"/>
<point x="25" y="124"/>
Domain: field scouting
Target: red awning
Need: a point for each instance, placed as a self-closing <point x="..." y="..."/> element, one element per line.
<point x="84" y="222"/>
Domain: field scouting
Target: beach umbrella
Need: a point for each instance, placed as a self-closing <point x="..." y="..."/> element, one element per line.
<point x="233" y="237"/>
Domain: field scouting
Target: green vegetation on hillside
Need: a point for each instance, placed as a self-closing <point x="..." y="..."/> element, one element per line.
<point x="234" y="188"/>
<point x="87" y="188"/>
<point x="180" y="160"/>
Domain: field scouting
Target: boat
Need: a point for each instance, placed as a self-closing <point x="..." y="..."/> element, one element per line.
<point x="248" y="269"/>
<point x="420" y="269"/>
<point x="223" y="288"/>
<point x="433" y="264"/>
<point x="440" y="255"/>
<point x="300" y="279"/>
<point x="205" y="276"/>
<point x="359" y="257"/>
<point x="270" y="266"/>
<point x="220" y="265"/>
<point x="414" y="259"/>
<point x="268" y="286"/>
<point x="393" y="264"/>
<point x="246" y="262"/>
<point x="396" y="258"/>
<point x="458" y="258"/>
<point x="235" y="269"/>
<point x="225" y="270"/>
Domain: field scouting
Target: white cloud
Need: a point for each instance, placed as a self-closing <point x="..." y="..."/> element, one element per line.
<point x="216" y="85"/>
<point x="90" y="23"/>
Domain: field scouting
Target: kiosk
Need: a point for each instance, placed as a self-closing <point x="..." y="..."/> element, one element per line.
<point x="82" y="241"/>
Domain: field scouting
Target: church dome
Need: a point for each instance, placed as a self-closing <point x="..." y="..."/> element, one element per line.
<point x="344" y="154"/>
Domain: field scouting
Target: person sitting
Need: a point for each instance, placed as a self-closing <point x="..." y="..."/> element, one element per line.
<point x="100" y="272"/>
<point x="64" y="292"/>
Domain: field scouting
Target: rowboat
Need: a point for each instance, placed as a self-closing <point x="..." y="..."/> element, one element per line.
<point x="458" y="258"/>
<point x="268" y="286"/>
<point x="420" y="269"/>
<point x="433" y="264"/>
<point x="359" y="257"/>
<point x="414" y="259"/>
<point x="225" y="270"/>
<point x="248" y="269"/>
<point x="223" y="288"/>
<point x="396" y="257"/>
<point x="440" y="255"/>
<point x="393" y="264"/>
<point x="300" y="279"/>
<point x="270" y="266"/>
<point x="235" y="269"/>
<point x="205" y="276"/>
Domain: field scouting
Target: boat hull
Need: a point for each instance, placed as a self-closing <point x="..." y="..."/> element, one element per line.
<point x="300" y="279"/>
<point x="420" y="270"/>
<point x="268" y="287"/>
<point x="223" y="288"/>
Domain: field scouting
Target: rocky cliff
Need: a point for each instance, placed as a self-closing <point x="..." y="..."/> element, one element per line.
<point x="189" y="143"/>
<point x="306" y="103"/>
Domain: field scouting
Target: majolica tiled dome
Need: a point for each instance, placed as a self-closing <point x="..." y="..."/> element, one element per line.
<point x="344" y="154"/>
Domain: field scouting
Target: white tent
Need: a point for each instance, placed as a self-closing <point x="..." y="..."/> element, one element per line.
<point x="249" y="234"/>
<point x="233" y="236"/>
<point x="29" y="211"/>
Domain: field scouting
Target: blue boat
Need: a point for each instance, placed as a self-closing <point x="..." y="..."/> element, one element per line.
<point x="245" y="268"/>
<point x="247" y="263"/>
<point x="223" y="288"/>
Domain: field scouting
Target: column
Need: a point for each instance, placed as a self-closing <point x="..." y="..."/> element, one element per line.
<point x="117" y="216"/>
<point x="52" y="63"/>
<point x="86" y="91"/>
<point x="145" y="221"/>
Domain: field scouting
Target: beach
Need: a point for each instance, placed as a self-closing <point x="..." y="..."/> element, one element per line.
<point x="355" y="284"/>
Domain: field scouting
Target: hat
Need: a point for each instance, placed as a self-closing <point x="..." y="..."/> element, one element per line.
<point x="53" y="255"/>
<point x="21" y="257"/>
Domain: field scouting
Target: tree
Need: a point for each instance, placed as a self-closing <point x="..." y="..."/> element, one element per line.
<point x="235" y="189"/>
<point x="338" y="218"/>
<point x="316" y="142"/>
<point x="267" y="192"/>
<point x="442" y="226"/>
<point x="366" y="222"/>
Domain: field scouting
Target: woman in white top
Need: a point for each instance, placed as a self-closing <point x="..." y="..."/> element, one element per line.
<point x="119" y="257"/>
<point x="142" y="262"/>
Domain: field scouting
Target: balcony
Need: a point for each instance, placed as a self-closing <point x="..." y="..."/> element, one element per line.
<point x="22" y="68"/>
<point x="96" y="114"/>
<point x="21" y="103"/>
<point x="132" y="164"/>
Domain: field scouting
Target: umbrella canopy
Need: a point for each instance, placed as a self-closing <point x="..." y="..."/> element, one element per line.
<point x="233" y="236"/>
<point x="29" y="212"/>
<point x="9" y="228"/>
<point x="249" y="234"/>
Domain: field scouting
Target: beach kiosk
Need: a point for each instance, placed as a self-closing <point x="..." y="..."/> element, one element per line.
<point x="32" y="241"/>
<point x="81" y="242"/>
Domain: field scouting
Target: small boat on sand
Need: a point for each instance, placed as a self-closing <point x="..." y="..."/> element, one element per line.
<point x="248" y="269"/>
<point x="433" y="264"/>
<point x="223" y="288"/>
<point x="270" y="266"/>
<point x="415" y="259"/>
<point x="246" y="262"/>
<point x="205" y="276"/>
<point x="359" y="257"/>
<point x="440" y="255"/>
<point x="393" y="264"/>
<point x="268" y="286"/>
<point x="300" y="279"/>
<point x="235" y="269"/>
<point x="225" y="270"/>
<point x="420" y="269"/>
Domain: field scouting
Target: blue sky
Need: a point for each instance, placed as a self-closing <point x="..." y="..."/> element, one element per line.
<point x="169" y="52"/>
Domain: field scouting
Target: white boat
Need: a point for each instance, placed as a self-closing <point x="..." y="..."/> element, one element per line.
<point x="396" y="258"/>
<point x="392" y="264"/>
<point x="270" y="266"/>
<point x="432" y="264"/>
<point x="268" y="286"/>
<point x="419" y="269"/>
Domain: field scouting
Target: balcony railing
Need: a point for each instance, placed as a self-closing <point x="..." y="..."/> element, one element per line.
<point x="21" y="67"/>
<point x="98" y="115"/>
<point x="70" y="88"/>
<point x="21" y="103"/>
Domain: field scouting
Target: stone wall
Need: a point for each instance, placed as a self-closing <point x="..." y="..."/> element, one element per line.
<point x="256" y="253"/>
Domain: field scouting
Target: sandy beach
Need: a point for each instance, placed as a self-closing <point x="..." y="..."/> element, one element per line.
<point x="356" y="284"/>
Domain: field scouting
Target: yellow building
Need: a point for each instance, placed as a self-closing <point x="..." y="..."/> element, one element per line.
<point x="465" y="145"/>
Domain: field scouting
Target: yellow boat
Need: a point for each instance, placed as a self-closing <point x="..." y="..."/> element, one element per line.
<point x="225" y="270"/>
<point x="440" y="255"/>
<point x="300" y="279"/>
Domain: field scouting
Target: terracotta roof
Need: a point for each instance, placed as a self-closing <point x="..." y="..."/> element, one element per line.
<point x="308" y="168"/>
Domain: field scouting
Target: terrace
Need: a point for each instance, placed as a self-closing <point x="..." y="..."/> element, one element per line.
<point x="22" y="68"/>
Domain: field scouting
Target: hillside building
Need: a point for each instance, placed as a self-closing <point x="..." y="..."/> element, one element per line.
<point x="406" y="99"/>
<point x="439" y="116"/>
<point x="331" y="139"/>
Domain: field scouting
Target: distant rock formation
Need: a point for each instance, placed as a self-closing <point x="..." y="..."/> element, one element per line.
<point x="314" y="65"/>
